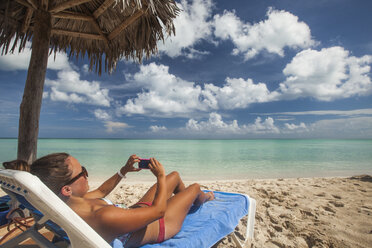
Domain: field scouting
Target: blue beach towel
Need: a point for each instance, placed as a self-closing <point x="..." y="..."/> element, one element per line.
<point x="221" y="216"/>
<point x="206" y="225"/>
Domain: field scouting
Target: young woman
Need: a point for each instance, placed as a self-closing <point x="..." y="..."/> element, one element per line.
<point x="157" y="216"/>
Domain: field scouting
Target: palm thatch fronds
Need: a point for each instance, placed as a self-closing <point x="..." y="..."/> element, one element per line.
<point x="106" y="30"/>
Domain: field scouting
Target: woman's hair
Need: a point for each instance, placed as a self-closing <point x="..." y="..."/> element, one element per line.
<point x="17" y="164"/>
<point x="52" y="170"/>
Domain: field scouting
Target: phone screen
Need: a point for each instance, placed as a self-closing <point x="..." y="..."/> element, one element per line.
<point x="144" y="163"/>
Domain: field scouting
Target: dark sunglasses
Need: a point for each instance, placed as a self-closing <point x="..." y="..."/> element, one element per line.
<point x="83" y="172"/>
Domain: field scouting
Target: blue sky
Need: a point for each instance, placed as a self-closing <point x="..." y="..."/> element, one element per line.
<point x="235" y="69"/>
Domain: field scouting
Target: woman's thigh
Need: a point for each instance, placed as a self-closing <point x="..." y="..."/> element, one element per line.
<point x="177" y="208"/>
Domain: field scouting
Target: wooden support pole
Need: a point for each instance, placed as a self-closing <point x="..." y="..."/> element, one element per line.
<point x="125" y="24"/>
<point x="33" y="94"/>
<point x="67" y="5"/>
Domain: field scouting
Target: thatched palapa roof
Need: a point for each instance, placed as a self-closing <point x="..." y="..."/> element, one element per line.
<point x="100" y="29"/>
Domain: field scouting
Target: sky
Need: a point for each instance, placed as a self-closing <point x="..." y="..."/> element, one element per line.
<point x="234" y="69"/>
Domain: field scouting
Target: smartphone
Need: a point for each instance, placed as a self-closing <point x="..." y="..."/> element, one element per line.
<point x="144" y="163"/>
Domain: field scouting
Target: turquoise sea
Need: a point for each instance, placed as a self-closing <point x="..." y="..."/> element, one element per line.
<point x="214" y="159"/>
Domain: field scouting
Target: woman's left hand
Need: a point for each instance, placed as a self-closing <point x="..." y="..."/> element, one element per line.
<point x="129" y="166"/>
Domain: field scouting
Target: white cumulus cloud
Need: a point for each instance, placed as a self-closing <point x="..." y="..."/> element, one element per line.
<point x="68" y="87"/>
<point x="216" y="125"/>
<point x="192" y="25"/>
<point x="328" y="74"/>
<point x="291" y="126"/>
<point x="261" y="127"/>
<point x="102" y="115"/>
<point x="237" y="93"/>
<point x="113" y="127"/>
<point x="358" y="127"/>
<point x="281" y="29"/>
<point x="165" y="94"/>
<point x="20" y="61"/>
<point x="354" y="112"/>
<point x="156" y="129"/>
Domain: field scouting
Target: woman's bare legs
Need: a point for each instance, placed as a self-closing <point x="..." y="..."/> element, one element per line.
<point x="177" y="208"/>
<point x="179" y="205"/>
<point x="174" y="186"/>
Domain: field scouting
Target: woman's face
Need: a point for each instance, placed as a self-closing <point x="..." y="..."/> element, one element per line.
<point x="79" y="187"/>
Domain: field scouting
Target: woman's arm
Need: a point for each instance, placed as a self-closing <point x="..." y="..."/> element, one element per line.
<point x="113" y="222"/>
<point x="113" y="181"/>
<point x="160" y="199"/>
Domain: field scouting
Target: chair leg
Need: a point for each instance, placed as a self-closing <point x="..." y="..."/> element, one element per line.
<point x="16" y="240"/>
<point x="32" y="233"/>
<point x="41" y="240"/>
<point x="236" y="241"/>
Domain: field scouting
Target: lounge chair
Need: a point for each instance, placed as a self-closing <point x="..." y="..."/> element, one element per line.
<point x="203" y="226"/>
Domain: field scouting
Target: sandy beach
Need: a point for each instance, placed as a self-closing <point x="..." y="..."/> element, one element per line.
<point x="298" y="212"/>
<point x="295" y="212"/>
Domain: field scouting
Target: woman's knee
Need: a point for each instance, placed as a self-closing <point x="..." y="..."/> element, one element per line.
<point x="174" y="175"/>
<point x="195" y="186"/>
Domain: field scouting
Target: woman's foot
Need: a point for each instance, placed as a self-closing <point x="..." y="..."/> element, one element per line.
<point x="209" y="196"/>
<point x="203" y="198"/>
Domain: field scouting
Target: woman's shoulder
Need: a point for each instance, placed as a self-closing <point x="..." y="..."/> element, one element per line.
<point x="88" y="208"/>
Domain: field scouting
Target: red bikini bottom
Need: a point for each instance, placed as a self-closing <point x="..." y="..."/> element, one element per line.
<point x="161" y="235"/>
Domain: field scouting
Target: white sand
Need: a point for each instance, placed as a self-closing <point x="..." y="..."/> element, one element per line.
<point x="303" y="212"/>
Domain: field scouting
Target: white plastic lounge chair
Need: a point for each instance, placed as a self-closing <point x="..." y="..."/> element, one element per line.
<point x="217" y="218"/>
<point x="20" y="183"/>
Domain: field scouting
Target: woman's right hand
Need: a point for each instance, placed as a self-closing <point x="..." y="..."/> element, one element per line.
<point x="156" y="168"/>
<point x="129" y="166"/>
